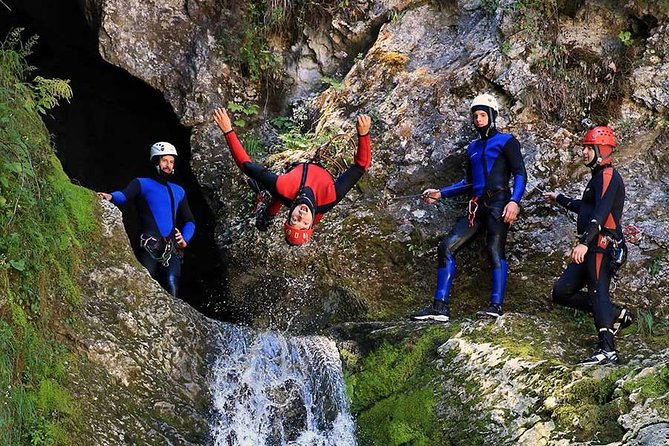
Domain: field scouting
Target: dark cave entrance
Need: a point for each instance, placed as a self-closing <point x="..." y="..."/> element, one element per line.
<point x="103" y="136"/>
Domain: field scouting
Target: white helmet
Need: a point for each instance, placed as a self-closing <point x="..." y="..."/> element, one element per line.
<point x="486" y="100"/>
<point x="163" y="148"/>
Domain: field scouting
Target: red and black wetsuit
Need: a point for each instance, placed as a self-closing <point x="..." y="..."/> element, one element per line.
<point x="319" y="186"/>
<point x="598" y="224"/>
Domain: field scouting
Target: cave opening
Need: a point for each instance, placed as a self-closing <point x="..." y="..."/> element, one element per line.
<point x="103" y="135"/>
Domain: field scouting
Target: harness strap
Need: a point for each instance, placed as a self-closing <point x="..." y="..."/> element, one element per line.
<point x="163" y="257"/>
<point x="472" y="207"/>
<point x="303" y="181"/>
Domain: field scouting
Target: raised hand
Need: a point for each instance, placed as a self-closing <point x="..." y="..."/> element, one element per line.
<point x="222" y="120"/>
<point x="363" y="123"/>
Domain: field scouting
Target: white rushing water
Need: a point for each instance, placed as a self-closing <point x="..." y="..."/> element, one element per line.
<point x="272" y="390"/>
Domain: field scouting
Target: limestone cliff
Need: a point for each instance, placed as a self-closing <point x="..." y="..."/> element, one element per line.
<point x="414" y="66"/>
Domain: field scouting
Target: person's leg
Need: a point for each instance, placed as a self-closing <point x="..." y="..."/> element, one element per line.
<point x="567" y="290"/>
<point x="458" y="237"/>
<point x="148" y="262"/>
<point x="604" y="312"/>
<point x="497" y="231"/>
<point x="172" y="275"/>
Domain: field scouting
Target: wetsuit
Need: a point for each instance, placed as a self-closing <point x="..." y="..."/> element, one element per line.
<point x="319" y="187"/>
<point x="160" y="204"/>
<point x="598" y="223"/>
<point x="493" y="160"/>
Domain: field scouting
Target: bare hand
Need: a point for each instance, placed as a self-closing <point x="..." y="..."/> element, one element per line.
<point x="180" y="239"/>
<point x="510" y="212"/>
<point x="430" y="195"/>
<point x="104" y="196"/>
<point x="578" y="253"/>
<point x="550" y="196"/>
<point x="363" y="123"/>
<point x="222" y="120"/>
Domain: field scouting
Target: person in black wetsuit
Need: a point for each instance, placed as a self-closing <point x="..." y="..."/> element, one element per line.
<point x="308" y="190"/>
<point x="161" y="204"/>
<point x="600" y="250"/>
<point x="494" y="159"/>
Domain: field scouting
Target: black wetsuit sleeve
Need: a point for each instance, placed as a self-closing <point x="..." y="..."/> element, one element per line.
<point x="262" y="175"/>
<point x="572" y="205"/>
<point x="188" y="221"/>
<point x="603" y="206"/>
<point x="343" y="184"/>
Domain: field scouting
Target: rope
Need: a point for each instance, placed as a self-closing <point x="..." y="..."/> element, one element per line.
<point x="335" y="161"/>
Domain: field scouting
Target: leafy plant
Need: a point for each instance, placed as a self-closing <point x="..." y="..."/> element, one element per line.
<point x="645" y="323"/>
<point x="626" y="38"/>
<point x="246" y="110"/>
<point x="45" y="223"/>
<point x="334" y="83"/>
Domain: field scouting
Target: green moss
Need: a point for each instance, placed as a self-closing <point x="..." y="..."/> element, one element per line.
<point x="590" y="408"/>
<point x="650" y="386"/>
<point x="46" y="227"/>
<point x="393" y="393"/>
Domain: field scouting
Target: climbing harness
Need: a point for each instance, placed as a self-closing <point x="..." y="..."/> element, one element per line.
<point x="160" y="248"/>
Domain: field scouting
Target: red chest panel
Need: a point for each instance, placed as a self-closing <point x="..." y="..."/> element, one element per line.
<point x="318" y="179"/>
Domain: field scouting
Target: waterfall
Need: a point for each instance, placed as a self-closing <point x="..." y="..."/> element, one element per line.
<point x="273" y="390"/>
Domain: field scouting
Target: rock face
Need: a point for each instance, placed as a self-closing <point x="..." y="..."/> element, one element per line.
<point x="143" y="375"/>
<point x="508" y="382"/>
<point x="373" y="257"/>
<point x="419" y="66"/>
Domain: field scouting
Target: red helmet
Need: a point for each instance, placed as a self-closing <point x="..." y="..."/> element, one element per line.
<point x="603" y="139"/>
<point x="296" y="236"/>
<point x="601" y="136"/>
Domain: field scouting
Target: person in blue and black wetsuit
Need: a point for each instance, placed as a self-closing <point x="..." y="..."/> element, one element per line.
<point x="494" y="159"/>
<point x="161" y="204"/>
<point x="600" y="249"/>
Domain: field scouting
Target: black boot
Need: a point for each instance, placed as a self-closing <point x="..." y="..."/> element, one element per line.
<point x="438" y="311"/>
<point x="494" y="310"/>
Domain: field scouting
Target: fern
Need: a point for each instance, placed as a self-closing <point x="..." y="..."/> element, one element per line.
<point x="48" y="92"/>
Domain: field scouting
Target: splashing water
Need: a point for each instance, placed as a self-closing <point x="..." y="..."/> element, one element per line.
<point x="277" y="391"/>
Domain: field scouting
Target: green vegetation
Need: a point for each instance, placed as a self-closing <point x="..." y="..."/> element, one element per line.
<point x="334" y="83"/>
<point x="45" y="223"/>
<point x="247" y="110"/>
<point x="393" y="390"/>
<point x="265" y="21"/>
<point x="591" y="406"/>
<point x="652" y="385"/>
<point x="626" y="38"/>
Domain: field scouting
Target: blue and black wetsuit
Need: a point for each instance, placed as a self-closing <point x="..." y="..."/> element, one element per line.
<point x="161" y="206"/>
<point x="493" y="161"/>
<point x="598" y="223"/>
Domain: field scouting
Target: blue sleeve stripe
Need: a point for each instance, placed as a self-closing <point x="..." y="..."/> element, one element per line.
<point x="188" y="230"/>
<point x="519" y="183"/>
<point x="118" y="198"/>
<point x="453" y="190"/>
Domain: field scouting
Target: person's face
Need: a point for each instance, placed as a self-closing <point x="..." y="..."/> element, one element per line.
<point x="588" y="154"/>
<point x="480" y="118"/>
<point x="301" y="217"/>
<point x="166" y="164"/>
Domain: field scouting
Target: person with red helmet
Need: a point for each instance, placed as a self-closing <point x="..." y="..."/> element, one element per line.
<point x="601" y="249"/>
<point x="308" y="189"/>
